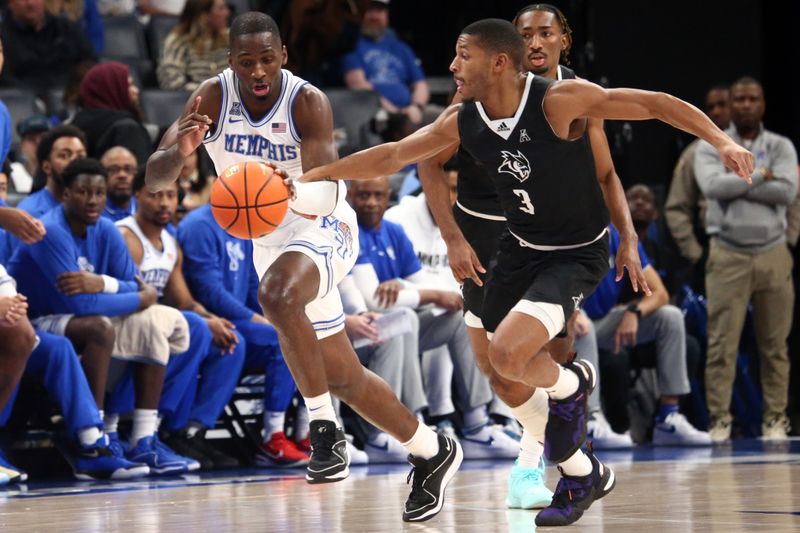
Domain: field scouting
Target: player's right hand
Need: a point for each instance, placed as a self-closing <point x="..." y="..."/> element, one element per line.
<point x="464" y="262"/>
<point x="192" y="128"/>
<point x="22" y="225"/>
<point x="738" y="159"/>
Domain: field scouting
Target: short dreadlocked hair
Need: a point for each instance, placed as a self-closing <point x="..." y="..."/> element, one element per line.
<point x="562" y="21"/>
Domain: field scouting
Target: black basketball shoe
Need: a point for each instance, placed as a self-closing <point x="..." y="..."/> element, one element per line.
<point x="431" y="477"/>
<point x="565" y="432"/>
<point x="329" y="461"/>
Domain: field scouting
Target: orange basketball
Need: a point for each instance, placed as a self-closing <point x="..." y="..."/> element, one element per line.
<point x="249" y="200"/>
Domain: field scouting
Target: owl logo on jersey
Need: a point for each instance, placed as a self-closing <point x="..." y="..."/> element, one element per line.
<point x="515" y="164"/>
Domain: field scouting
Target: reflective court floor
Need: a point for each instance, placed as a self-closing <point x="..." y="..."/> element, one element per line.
<point x="750" y="486"/>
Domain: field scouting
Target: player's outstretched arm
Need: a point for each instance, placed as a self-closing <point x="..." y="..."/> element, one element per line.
<point x="627" y="256"/>
<point x="572" y="99"/>
<point x="184" y="135"/>
<point x="386" y="159"/>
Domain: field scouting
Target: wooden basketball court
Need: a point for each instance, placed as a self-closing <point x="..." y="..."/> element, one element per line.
<point x="748" y="487"/>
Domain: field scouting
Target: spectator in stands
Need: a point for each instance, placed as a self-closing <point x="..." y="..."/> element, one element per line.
<point x="748" y="261"/>
<point x="71" y="100"/>
<point x="384" y="63"/>
<point x="389" y="274"/>
<point x="85" y="14"/>
<point x="617" y="324"/>
<point x="197" y="48"/>
<point x="110" y="114"/>
<point x="652" y="235"/>
<point x="195" y="184"/>
<point x="30" y="131"/>
<point x="57" y="149"/>
<point x="159" y="260"/>
<point x="45" y="47"/>
<point x="219" y="272"/>
<point x="80" y="283"/>
<point x="395" y="360"/>
<point x="685" y="206"/>
<point x="121" y="166"/>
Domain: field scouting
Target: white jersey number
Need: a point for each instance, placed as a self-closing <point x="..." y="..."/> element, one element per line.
<point x="527" y="206"/>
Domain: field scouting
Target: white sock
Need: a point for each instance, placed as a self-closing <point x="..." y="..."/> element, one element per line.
<point x="301" y="423"/>
<point x="145" y="424"/>
<point x="89" y="436"/>
<point x="424" y="443"/>
<point x="532" y="416"/>
<point x="110" y="422"/>
<point x="273" y="423"/>
<point x="321" y="408"/>
<point x="565" y="386"/>
<point x="577" y="465"/>
<point x="475" y="418"/>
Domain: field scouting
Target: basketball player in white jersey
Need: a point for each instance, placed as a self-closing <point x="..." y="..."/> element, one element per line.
<point x="257" y="111"/>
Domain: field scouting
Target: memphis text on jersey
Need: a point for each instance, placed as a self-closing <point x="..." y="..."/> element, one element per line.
<point x="258" y="146"/>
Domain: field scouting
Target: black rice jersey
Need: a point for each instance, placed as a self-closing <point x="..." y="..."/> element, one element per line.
<point x="547" y="186"/>
<point x="476" y="193"/>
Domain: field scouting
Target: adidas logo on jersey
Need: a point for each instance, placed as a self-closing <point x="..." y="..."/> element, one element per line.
<point x="502" y="127"/>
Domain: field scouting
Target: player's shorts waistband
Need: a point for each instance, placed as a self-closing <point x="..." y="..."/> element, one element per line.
<point x="480" y="215"/>
<point x="547" y="248"/>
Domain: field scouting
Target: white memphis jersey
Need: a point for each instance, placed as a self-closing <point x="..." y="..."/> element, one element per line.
<point x="156" y="265"/>
<point x="274" y="138"/>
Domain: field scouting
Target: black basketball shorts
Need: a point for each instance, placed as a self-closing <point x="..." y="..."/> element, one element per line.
<point x="561" y="277"/>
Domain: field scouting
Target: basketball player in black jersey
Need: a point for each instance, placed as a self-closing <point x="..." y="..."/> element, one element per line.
<point x="528" y="134"/>
<point x="472" y="231"/>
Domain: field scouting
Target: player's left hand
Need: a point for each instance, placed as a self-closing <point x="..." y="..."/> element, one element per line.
<point x="738" y="159"/>
<point x="72" y="283"/>
<point x="628" y="258"/>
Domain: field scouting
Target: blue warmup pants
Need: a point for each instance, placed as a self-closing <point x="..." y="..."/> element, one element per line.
<point x="56" y="364"/>
<point x="264" y="353"/>
<point x="204" y="400"/>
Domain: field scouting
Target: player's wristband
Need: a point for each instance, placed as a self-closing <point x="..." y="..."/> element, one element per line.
<point x="110" y="284"/>
<point x="316" y="198"/>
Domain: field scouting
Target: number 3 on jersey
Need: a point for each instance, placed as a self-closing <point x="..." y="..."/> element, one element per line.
<point x="527" y="206"/>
